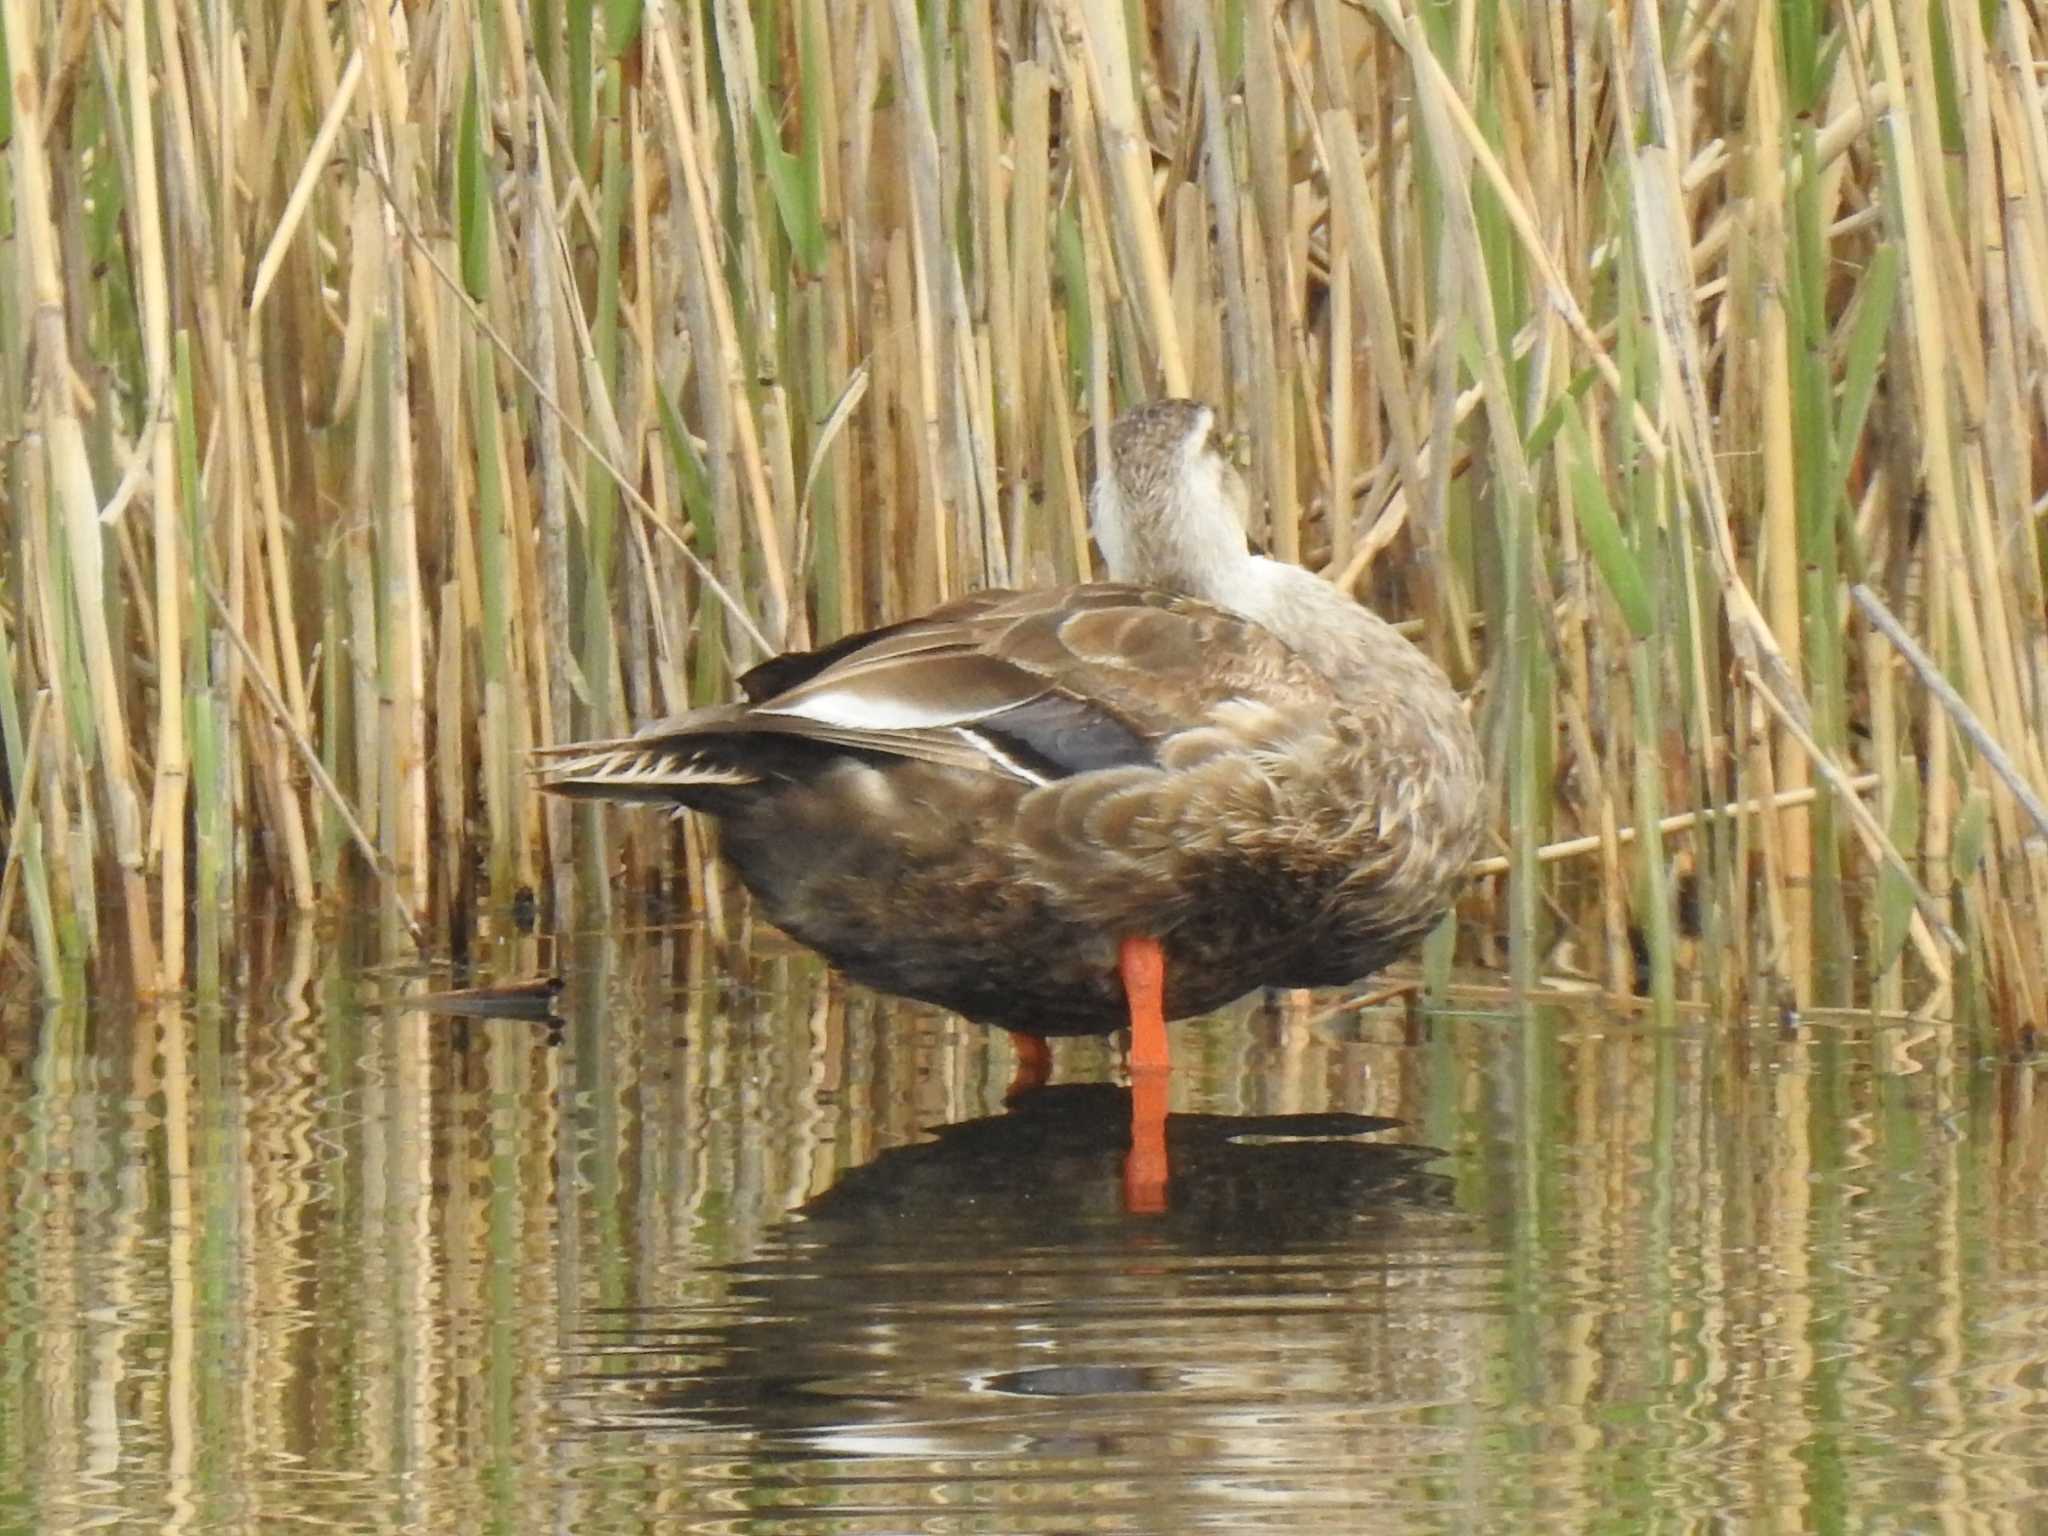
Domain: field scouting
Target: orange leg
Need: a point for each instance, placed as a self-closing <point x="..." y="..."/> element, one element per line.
<point x="1034" y="1064"/>
<point x="1146" y="1171"/>
<point x="1143" y="964"/>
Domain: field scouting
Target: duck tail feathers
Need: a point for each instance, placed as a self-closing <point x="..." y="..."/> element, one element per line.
<point x="636" y="771"/>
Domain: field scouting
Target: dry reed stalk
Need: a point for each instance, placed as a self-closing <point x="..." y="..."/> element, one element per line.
<point x="992" y="300"/>
<point x="404" y="727"/>
<point x="451" y="755"/>
<point x="1343" y="410"/>
<point x="550" y="636"/>
<point x="1098" y="36"/>
<point x="280" y="648"/>
<point x="943" y="376"/>
<point x="62" y="444"/>
<point x="722" y="342"/>
<point x="1270" y="287"/>
<point x="1768" y="332"/>
<point x="1033" y="360"/>
<point x="1222" y="187"/>
<point x="314" y="767"/>
<point x="1356" y="232"/>
<point x="167" y="805"/>
<point x="23" y="857"/>
<point x="1682" y="821"/>
<point x="1966" y="720"/>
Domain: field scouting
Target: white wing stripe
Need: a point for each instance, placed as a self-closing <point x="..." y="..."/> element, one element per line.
<point x="1000" y="758"/>
<point x="861" y="709"/>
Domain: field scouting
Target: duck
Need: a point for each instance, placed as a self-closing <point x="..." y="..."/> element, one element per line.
<point x="1106" y="805"/>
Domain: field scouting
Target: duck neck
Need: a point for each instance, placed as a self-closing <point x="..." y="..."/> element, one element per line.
<point x="1363" y="656"/>
<point x="1190" y="542"/>
<point x="1190" y="539"/>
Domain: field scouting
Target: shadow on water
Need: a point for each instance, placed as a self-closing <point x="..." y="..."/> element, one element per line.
<point x="986" y="1293"/>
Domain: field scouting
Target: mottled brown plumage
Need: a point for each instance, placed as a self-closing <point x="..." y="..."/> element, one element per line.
<point x="974" y="807"/>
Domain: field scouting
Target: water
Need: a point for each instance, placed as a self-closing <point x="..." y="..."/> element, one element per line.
<point x="696" y="1264"/>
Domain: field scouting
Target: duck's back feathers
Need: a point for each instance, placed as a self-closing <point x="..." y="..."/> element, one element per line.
<point x="1031" y="686"/>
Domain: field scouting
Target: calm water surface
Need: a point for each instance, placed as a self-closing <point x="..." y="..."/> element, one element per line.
<point x="739" y="1250"/>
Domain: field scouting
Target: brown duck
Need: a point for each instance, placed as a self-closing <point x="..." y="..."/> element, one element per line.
<point x="1068" y="810"/>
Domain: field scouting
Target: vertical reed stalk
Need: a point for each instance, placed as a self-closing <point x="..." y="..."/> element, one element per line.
<point x="167" y="816"/>
<point x="22" y="866"/>
<point x="61" y="445"/>
<point x="1782" y="554"/>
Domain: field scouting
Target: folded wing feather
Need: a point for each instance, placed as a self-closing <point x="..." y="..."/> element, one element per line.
<point x="1032" y="686"/>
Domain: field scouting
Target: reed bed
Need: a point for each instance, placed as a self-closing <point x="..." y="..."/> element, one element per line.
<point x="395" y="390"/>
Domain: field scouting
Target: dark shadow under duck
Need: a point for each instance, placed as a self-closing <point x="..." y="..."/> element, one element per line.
<point x="1019" y="805"/>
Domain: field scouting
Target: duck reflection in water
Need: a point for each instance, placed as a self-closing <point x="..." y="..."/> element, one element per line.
<point x="958" y="1295"/>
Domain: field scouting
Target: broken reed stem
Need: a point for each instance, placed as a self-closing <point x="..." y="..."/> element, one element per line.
<point x="1683" y="821"/>
<point x="310" y="171"/>
<point x="1995" y="756"/>
<point x="1928" y="914"/>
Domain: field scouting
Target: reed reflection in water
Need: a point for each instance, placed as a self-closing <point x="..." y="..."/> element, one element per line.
<point x="324" y="1257"/>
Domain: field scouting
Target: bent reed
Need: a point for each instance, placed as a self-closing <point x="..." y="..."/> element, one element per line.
<point x="396" y="390"/>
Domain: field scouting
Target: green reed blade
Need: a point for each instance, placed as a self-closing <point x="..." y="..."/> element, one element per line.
<point x="621" y="27"/>
<point x="581" y="25"/>
<point x="472" y="195"/>
<point x="707" y="682"/>
<point x="1608" y="545"/>
<point x="205" y="730"/>
<point x="1973" y="833"/>
<point x="1895" y="903"/>
<point x="794" y="181"/>
<point x="1869" y="331"/>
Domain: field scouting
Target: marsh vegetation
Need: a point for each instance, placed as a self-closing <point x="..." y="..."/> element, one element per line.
<point x="396" y="390"/>
<point x="391" y="391"/>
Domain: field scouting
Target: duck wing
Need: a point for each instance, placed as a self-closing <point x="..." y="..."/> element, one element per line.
<point x="1032" y="686"/>
<point x="1164" y="664"/>
<point x="781" y="673"/>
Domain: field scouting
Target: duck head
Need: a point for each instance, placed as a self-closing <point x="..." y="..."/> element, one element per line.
<point x="1170" y="510"/>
